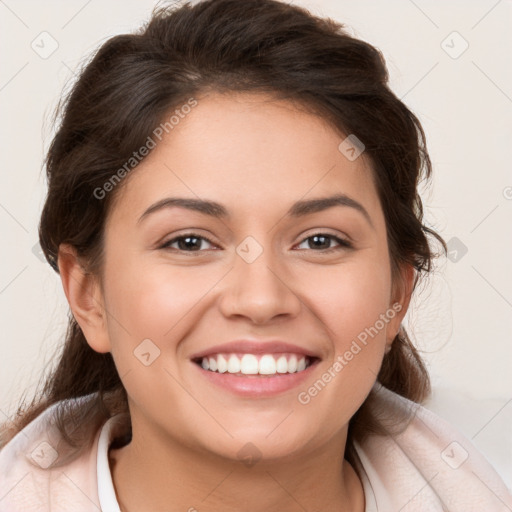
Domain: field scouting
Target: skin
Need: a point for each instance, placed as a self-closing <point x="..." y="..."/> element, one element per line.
<point x="256" y="156"/>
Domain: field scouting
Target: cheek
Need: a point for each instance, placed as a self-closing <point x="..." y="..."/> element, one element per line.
<point x="353" y="294"/>
<point x="151" y="306"/>
<point x="153" y="300"/>
<point x="351" y="300"/>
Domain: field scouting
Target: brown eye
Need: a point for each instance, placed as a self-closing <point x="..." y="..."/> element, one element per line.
<point x="189" y="242"/>
<point x="322" y="241"/>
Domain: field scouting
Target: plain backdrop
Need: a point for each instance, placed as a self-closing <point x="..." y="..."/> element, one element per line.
<point x="450" y="62"/>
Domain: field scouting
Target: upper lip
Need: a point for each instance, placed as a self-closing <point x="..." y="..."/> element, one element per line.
<point x="254" y="347"/>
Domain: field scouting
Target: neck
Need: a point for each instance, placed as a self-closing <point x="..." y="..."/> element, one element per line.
<point x="177" y="478"/>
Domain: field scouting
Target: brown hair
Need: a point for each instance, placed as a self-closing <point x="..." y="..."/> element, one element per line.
<point x="135" y="80"/>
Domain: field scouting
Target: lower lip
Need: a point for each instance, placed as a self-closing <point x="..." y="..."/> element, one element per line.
<point x="256" y="386"/>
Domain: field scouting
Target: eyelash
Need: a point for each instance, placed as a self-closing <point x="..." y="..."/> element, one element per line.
<point x="344" y="244"/>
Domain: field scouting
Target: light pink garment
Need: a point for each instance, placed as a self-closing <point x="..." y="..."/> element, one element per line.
<point x="429" y="466"/>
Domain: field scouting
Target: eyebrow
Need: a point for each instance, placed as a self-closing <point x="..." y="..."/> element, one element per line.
<point x="298" y="209"/>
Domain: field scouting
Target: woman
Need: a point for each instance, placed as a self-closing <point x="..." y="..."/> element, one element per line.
<point x="233" y="213"/>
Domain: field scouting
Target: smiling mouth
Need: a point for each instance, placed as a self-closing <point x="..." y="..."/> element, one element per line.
<point x="258" y="365"/>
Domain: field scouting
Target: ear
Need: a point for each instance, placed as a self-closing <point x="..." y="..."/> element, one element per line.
<point x="85" y="298"/>
<point x="400" y="299"/>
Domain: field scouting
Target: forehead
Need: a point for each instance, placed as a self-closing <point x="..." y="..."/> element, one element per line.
<point x="248" y="151"/>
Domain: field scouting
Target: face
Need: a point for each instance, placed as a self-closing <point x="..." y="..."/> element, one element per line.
<point x="267" y="270"/>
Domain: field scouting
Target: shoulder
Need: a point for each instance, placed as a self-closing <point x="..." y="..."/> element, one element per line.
<point x="40" y="471"/>
<point x="425" y="463"/>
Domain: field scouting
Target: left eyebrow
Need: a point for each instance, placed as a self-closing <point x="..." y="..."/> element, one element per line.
<point x="306" y="207"/>
<point x="298" y="209"/>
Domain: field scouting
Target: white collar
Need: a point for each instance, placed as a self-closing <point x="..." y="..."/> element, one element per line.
<point x="106" y="492"/>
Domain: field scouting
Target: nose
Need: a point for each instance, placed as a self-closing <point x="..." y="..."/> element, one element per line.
<point x="260" y="290"/>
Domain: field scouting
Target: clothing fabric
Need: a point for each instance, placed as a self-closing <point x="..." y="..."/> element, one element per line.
<point x="423" y="464"/>
<point x="106" y="492"/>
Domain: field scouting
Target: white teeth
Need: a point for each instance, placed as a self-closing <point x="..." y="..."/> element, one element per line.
<point x="249" y="364"/>
<point x="292" y="364"/>
<point x="267" y="365"/>
<point x="233" y="364"/>
<point x="222" y="364"/>
<point x="281" y="365"/>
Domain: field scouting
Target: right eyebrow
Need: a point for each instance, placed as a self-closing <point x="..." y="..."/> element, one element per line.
<point x="211" y="208"/>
